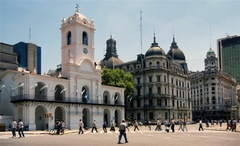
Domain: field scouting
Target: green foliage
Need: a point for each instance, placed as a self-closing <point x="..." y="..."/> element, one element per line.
<point x="118" y="78"/>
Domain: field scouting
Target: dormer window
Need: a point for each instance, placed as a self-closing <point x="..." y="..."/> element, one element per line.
<point x="69" y="38"/>
<point x="84" y="38"/>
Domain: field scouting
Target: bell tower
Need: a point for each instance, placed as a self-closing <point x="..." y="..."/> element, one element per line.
<point x="211" y="62"/>
<point x="77" y="40"/>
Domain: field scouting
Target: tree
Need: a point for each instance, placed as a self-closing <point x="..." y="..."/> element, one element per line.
<point x="118" y="78"/>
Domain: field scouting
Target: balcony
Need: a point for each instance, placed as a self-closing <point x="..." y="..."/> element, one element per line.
<point x="70" y="100"/>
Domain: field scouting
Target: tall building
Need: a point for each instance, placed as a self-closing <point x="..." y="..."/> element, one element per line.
<point x="76" y="93"/>
<point x="228" y="55"/>
<point x="8" y="59"/>
<point x="162" y="87"/>
<point x="29" y="56"/>
<point x="209" y="88"/>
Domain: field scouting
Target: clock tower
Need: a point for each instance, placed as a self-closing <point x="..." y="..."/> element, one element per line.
<point x="77" y="37"/>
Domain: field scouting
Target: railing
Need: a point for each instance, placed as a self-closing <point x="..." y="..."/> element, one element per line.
<point x="61" y="99"/>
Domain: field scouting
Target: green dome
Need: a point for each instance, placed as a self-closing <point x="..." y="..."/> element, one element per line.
<point x="210" y="52"/>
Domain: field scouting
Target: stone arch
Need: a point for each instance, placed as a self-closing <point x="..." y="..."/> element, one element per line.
<point x="150" y="64"/>
<point x="59" y="113"/>
<point x="59" y="93"/>
<point x="106" y="97"/>
<point x="40" y="94"/>
<point x="117" y="116"/>
<point x="107" y="116"/>
<point x="86" y="117"/>
<point x="117" y="98"/>
<point x="40" y="119"/>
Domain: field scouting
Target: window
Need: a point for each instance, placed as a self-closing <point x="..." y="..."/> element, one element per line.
<point x="159" y="90"/>
<point x="150" y="65"/>
<point x="166" y="102"/>
<point x="150" y="91"/>
<point x="69" y="38"/>
<point x="172" y="80"/>
<point x="84" y="38"/>
<point x="138" y="80"/>
<point x="138" y="92"/>
<point x="158" y="65"/>
<point x="150" y="78"/>
<point x="158" y="78"/>
<point x="173" y="105"/>
<point x="150" y="103"/>
<point x="159" y="102"/>
<point x="138" y="116"/>
<point x="150" y="115"/>
<point x="138" y="103"/>
<point x="165" y="79"/>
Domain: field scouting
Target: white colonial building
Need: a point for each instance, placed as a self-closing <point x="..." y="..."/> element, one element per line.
<point x="75" y="92"/>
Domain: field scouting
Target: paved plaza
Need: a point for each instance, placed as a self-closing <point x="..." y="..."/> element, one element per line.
<point x="212" y="136"/>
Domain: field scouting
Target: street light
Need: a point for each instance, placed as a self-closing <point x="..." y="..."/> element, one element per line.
<point x="227" y="100"/>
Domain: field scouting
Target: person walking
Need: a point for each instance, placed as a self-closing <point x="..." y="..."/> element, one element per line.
<point x="122" y="132"/>
<point x="135" y="125"/>
<point x="80" y="125"/>
<point x="149" y="124"/>
<point x="172" y="125"/>
<point x="127" y="126"/>
<point x="112" y="126"/>
<point x="200" y="126"/>
<point x="105" y="126"/>
<point x="158" y="127"/>
<point x="14" y="126"/>
<point x="20" y="128"/>
<point x="63" y="126"/>
<point x="234" y="125"/>
<point x="59" y="127"/>
<point x="220" y="122"/>
<point x="185" y="125"/>
<point x="94" y="126"/>
<point x="180" y="125"/>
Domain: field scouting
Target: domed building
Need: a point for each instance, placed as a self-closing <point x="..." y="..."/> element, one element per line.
<point x="111" y="58"/>
<point x="162" y="87"/>
<point x="175" y="53"/>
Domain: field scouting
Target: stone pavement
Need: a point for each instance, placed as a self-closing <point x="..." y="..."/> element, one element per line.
<point x="193" y="127"/>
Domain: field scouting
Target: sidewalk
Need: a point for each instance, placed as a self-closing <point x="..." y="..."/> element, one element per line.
<point x="37" y="132"/>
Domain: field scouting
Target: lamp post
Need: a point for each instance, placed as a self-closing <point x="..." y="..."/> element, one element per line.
<point x="227" y="100"/>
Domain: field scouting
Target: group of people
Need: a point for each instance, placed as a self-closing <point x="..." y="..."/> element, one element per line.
<point x="17" y="126"/>
<point x="60" y="126"/>
<point x="231" y="124"/>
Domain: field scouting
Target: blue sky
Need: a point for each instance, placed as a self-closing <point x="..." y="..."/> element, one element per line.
<point x="190" y="20"/>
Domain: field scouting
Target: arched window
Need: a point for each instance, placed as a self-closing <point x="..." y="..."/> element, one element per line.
<point x="84" y="38"/>
<point x="158" y="65"/>
<point x="150" y="65"/>
<point x="69" y="38"/>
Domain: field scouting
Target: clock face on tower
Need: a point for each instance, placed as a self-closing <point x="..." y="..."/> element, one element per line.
<point x="85" y="50"/>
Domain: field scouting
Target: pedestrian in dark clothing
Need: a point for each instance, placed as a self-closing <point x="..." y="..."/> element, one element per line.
<point x="105" y="127"/>
<point x="172" y="125"/>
